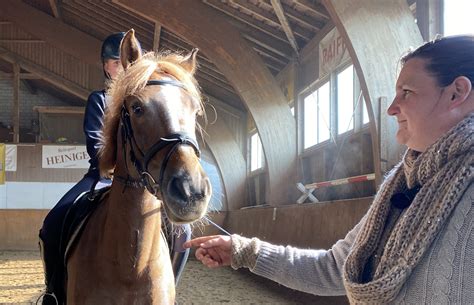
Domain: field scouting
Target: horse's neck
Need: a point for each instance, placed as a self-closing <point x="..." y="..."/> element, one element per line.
<point x="134" y="223"/>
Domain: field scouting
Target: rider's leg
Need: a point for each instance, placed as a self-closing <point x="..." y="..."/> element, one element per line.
<point x="50" y="235"/>
<point x="179" y="254"/>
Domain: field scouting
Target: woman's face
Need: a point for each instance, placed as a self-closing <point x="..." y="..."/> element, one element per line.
<point x="420" y="106"/>
<point x="112" y="67"/>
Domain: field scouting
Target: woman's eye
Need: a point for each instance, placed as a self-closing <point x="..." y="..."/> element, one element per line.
<point x="406" y="92"/>
<point x="137" y="109"/>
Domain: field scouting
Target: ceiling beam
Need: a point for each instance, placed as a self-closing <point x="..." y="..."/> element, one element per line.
<point x="156" y="37"/>
<point x="314" y="8"/>
<point x="55" y="8"/>
<point x="270" y="42"/>
<point x="307" y="21"/>
<point x="21" y="41"/>
<point x="174" y="45"/>
<point x="23" y="75"/>
<point x="235" y="13"/>
<point x="285" y="25"/>
<point x="255" y="10"/>
<point x="45" y="74"/>
<point x="52" y="30"/>
<point x="229" y="97"/>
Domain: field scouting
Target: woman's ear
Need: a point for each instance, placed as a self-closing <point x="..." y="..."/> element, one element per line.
<point x="461" y="87"/>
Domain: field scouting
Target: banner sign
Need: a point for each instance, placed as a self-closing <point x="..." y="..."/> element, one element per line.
<point x="11" y="158"/>
<point x="332" y="52"/>
<point x="65" y="156"/>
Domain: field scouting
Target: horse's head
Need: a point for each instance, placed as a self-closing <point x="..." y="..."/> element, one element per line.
<point x="150" y="128"/>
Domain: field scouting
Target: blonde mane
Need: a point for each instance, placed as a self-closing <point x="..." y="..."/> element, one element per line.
<point x="128" y="83"/>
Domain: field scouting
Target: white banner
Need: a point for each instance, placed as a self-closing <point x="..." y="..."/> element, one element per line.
<point x="65" y="156"/>
<point x="332" y="52"/>
<point x="10" y="158"/>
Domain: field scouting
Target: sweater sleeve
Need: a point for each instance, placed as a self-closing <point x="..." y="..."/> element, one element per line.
<point x="317" y="272"/>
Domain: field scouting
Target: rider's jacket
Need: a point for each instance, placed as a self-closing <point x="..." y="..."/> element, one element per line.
<point x="93" y="122"/>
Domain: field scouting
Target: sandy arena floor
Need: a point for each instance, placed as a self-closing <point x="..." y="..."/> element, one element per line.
<point x="21" y="282"/>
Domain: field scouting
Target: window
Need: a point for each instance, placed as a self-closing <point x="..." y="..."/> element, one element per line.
<point x="292" y="110"/>
<point x="365" y="114"/>
<point x="256" y="152"/>
<point x="316" y="116"/>
<point x="345" y="100"/>
<point x="458" y="17"/>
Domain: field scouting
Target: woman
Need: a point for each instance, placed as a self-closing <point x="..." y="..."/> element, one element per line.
<point x="416" y="243"/>
<point x="50" y="233"/>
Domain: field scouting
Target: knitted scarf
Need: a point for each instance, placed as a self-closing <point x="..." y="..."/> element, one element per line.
<point x="444" y="171"/>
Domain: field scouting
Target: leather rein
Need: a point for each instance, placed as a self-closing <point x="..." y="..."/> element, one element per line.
<point x="174" y="140"/>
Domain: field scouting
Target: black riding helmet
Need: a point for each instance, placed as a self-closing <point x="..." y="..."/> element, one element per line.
<point x="111" y="48"/>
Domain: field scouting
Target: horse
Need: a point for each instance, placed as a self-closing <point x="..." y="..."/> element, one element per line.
<point x="150" y="148"/>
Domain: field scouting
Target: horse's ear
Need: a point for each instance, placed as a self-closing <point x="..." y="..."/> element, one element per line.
<point x="130" y="49"/>
<point x="189" y="62"/>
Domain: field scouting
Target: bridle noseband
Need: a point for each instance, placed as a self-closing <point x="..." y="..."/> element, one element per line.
<point x="174" y="140"/>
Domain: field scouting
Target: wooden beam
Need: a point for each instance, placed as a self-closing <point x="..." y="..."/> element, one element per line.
<point x="234" y="13"/>
<point x="252" y="80"/>
<point x="102" y="20"/>
<point x="55" y="8"/>
<point x="313" y="23"/>
<point x="285" y="25"/>
<point x="230" y="98"/>
<point x="278" y="46"/>
<point x="45" y="74"/>
<point x="16" y="103"/>
<point x="21" y="41"/>
<point x="156" y="37"/>
<point x="52" y="30"/>
<point x="315" y="8"/>
<point x="305" y="34"/>
<point x="266" y="53"/>
<point x="203" y="62"/>
<point x="122" y="17"/>
<point x="60" y="109"/>
<point x="23" y="75"/>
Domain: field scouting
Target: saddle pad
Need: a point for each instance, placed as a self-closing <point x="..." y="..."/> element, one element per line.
<point x="76" y="219"/>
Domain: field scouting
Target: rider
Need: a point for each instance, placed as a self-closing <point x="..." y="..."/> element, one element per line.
<point x="51" y="231"/>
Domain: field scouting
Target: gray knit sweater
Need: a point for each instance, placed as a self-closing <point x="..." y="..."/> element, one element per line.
<point x="445" y="275"/>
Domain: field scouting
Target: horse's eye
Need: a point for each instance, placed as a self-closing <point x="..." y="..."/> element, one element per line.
<point x="137" y="109"/>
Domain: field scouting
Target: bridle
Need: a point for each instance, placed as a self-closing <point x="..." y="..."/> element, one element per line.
<point x="174" y="140"/>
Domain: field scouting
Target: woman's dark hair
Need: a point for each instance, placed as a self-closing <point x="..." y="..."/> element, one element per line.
<point x="447" y="58"/>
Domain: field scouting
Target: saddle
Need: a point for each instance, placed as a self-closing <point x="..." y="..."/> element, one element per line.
<point x="76" y="219"/>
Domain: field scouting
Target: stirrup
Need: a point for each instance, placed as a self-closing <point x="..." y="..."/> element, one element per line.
<point x="47" y="294"/>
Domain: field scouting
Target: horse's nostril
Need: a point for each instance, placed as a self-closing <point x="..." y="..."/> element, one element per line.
<point x="180" y="189"/>
<point x="183" y="190"/>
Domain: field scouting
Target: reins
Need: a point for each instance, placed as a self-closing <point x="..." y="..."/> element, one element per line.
<point x="174" y="140"/>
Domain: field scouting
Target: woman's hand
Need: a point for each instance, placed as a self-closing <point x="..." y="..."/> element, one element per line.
<point x="213" y="251"/>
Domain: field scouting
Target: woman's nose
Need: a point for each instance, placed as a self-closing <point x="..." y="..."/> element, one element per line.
<point x="393" y="108"/>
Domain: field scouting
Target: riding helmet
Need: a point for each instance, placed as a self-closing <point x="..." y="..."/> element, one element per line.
<point x="111" y="46"/>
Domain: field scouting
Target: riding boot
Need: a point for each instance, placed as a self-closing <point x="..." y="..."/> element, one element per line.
<point x="178" y="261"/>
<point x="49" y="267"/>
<point x="179" y="255"/>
